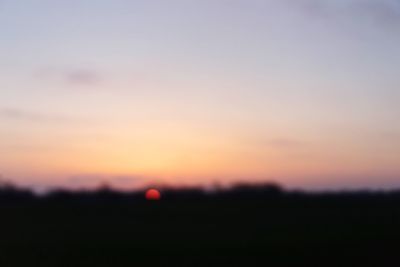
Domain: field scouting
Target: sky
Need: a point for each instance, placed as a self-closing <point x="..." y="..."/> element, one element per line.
<point x="195" y="92"/>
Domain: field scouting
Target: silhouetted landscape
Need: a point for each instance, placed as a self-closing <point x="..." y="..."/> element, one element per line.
<point x="198" y="133"/>
<point x="245" y="225"/>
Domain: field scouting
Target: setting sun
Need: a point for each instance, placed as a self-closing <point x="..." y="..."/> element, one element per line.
<point x="153" y="194"/>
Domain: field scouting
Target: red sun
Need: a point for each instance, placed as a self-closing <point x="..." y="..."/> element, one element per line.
<point x="153" y="194"/>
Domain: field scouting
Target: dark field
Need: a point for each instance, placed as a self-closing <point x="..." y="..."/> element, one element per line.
<point x="245" y="226"/>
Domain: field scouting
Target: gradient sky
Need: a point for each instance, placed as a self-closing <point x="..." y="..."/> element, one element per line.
<point x="302" y="92"/>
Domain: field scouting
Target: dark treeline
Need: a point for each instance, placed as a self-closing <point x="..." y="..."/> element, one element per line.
<point x="11" y="193"/>
<point x="241" y="192"/>
<point x="244" y="225"/>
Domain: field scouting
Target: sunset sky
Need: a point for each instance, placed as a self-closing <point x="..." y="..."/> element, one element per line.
<point x="302" y="92"/>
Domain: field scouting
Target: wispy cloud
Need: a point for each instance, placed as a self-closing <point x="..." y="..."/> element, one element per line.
<point x="378" y="10"/>
<point x="72" y="76"/>
<point x="273" y="142"/>
<point x="31" y="116"/>
<point x="96" y="180"/>
<point x="284" y="143"/>
<point x="82" y="77"/>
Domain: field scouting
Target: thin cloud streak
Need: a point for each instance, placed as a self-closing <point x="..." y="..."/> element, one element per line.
<point x="16" y="114"/>
<point x="97" y="180"/>
<point x="72" y="76"/>
<point x="285" y="143"/>
<point x="82" y="77"/>
<point x="378" y="10"/>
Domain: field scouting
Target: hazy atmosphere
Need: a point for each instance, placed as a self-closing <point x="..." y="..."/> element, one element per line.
<point x="301" y="92"/>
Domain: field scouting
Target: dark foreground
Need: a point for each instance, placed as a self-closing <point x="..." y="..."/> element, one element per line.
<point x="242" y="227"/>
